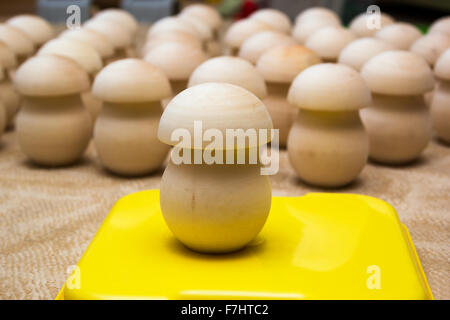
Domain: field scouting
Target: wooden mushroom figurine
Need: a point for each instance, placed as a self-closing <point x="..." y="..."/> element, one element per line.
<point x="359" y="51"/>
<point x="35" y="27"/>
<point x="53" y="127"/>
<point x="156" y="39"/>
<point x="8" y="95"/>
<point x="177" y="61"/>
<point x="317" y="13"/>
<point x="363" y="25"/>
<point x="87" y="57"/>
<point x="120" y="17"/>
<point x="276" y="19"/>
<point x="18" y="41"/>
<point x="441" y="25"/>
<point x="400" y="34"/>
<point x="256" y="45"/>
<point x="92" y="38"/>
<point x="328" y="42"/>
<point x="119" y="36"/>
<point x="214" y="206"/>
<point x="312" y="20"/>
<point x="3" y="111"/>
<point x="172" y="24"/>
<point x="431" y="46"/>
<point x="232" y="70"/>
<point x="211" y="17"/>
<point x="279" y="66"/>
<point x="240" y="31"/>
<point x="205" y="34"/>
<point x="125" y="132"/>
<point x="440" y="104"/>
<point x="327" y="145"/>
<point x="205" y="13"/>
<point x="397" y="121"/>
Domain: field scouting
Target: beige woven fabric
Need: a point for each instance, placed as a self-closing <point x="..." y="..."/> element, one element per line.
<point x="49" y="216"/>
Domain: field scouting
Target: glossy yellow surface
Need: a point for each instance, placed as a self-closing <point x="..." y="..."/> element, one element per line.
<point x="319" y="246"/>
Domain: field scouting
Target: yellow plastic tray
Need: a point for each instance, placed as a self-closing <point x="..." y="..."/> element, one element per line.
<point x="318" y="246"/>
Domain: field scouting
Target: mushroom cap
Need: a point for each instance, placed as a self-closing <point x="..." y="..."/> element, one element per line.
<point x="232" y="70"/>
<point x="283" y="63"/>
<point x="17" y="40"/>
<point x="204" y="31"/>
<point x="359" y="24"/>
<point x="277" y="19"/>
<point x="157" y="39"/>
<point x="442" y="66"/>
<point x="398" y="73"/>
<point x="86" y="56"/>
<point x="8" y="59"/>
<point x="307" y="25"/>
<point x="50" y="75"/>
<point x="241" y="30"/>
<point x="173" y="24"/>
<point x="176" y="60"/>
<point x="131" y="80"/>
<point x="359" y="51"/>
<point x="118" y="36"/>
<point x="35" y="27"/>
<point x="123" y="17"/>
<point x="328" y="42"/>
<point x="205" y="13"/>
<point x="317" y="13"/>
<point x="400" y="34"/>
<point x="329" y="87"/>
<point x="431" y="46"/>
<point x="257" y="44"/>
<point x="92" y="38"/>
<point x="218" y="106"/>
<point x="441" y="25"/>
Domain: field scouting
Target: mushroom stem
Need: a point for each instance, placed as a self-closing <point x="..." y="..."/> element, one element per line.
<point x="10" y="99"/>
<point x="119" y="53"/>
<point x="399" y="127"/>
<point x="235" y="198"/>
<point x="177" y="86"/>
<point x="53" y="131"/>
<point x="281" y="112"/>
<point x="2" y="118"/>
<point x="213" y="48"/>
<point x="328" y="148"/>
<point x="125" y="137"/>
<point x="440" y="110"/>
<point x="232" y="51"/>
<point x="93" y="105"/>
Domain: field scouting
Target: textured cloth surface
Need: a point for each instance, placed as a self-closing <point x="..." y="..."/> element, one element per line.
<point x="49" y="216"/>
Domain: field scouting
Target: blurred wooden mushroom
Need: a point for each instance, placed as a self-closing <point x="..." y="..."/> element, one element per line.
<point x="398" y="120"/>
<point x="327" y="145"/>
<point x="279" y="67"/>
<point x="125" y="133"/>
<point x="53" y="127"/>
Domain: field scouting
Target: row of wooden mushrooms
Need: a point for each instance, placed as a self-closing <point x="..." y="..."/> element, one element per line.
<point x="269" y="60"/>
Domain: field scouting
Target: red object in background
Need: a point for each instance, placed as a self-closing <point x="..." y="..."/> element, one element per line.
<point x="248" y="7"/>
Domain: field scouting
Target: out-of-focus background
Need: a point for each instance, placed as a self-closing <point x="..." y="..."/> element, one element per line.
<point x="416" y="11"/>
